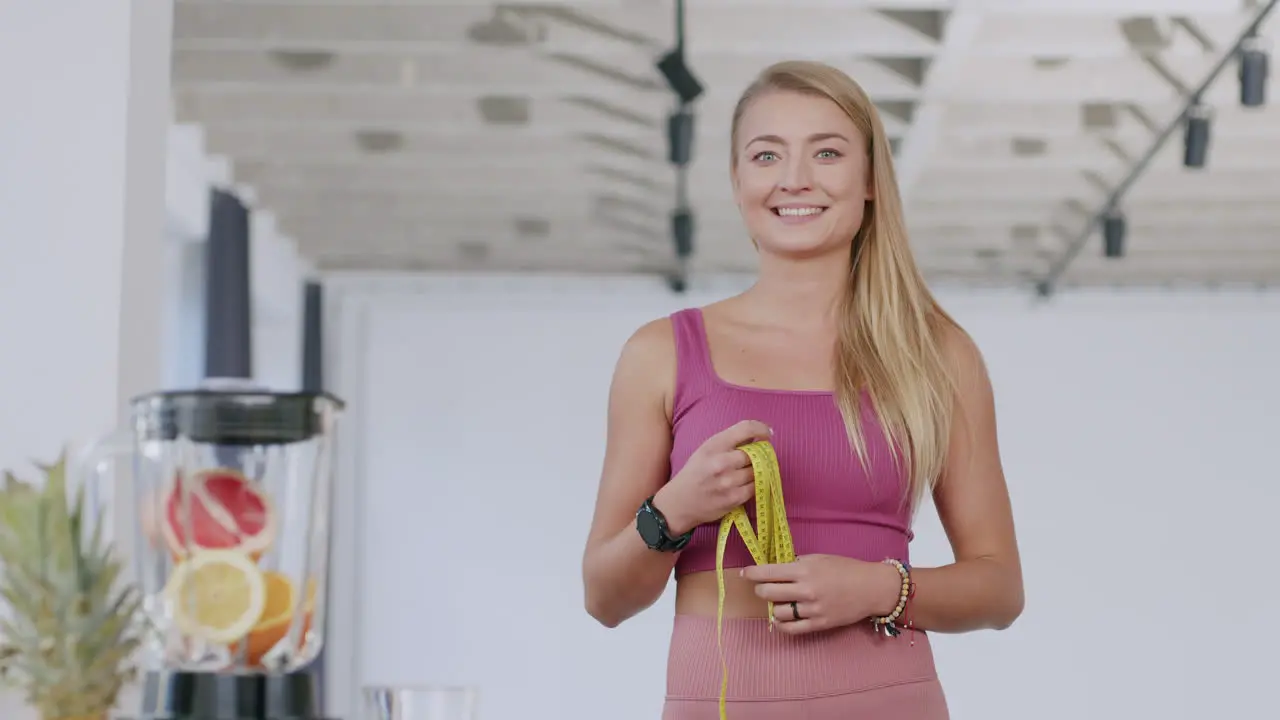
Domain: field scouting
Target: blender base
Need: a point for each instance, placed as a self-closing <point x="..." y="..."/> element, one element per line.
<point x="214" y="696"/>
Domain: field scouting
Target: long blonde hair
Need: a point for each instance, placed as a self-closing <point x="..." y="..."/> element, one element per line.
<point x="890" y="325"/>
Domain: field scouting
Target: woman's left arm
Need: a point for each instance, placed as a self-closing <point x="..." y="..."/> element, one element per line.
<point x="982" y="589"/>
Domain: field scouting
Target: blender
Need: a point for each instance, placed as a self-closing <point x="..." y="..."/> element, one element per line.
<point x="232" y="487"/>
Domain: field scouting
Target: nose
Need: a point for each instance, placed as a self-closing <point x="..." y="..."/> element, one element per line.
<point x="795" y="175"/>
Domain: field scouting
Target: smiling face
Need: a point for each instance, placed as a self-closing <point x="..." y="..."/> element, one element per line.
<point x="801" y="174"/>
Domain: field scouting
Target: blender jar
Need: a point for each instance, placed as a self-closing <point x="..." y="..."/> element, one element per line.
<point x="233" y="489"/>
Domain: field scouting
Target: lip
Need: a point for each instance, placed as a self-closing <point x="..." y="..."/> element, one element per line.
<point x="798" y="219"/>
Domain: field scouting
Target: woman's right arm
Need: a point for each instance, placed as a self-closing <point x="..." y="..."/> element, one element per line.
<point x="621" y="575"/>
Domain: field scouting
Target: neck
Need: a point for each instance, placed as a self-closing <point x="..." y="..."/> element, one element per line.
<point x="800" y="292"/>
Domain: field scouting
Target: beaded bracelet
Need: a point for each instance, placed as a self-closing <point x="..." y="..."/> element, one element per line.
<point x="889" y="623"/>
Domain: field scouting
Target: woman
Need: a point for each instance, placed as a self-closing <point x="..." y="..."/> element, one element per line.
<point x="837" y="355"/>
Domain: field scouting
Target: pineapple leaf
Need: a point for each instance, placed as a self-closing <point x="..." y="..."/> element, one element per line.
<point x="73" y="625"/>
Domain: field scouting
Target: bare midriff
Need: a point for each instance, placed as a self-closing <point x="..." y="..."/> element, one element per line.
<point x="696" y="595"/>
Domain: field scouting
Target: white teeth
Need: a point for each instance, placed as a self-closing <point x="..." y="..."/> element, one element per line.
<point x="798" y="212"/>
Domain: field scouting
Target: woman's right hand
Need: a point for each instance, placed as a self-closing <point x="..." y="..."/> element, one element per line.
<point x="716" y="479"/>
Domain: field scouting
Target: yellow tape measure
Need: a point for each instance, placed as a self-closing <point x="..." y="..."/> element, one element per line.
<point x="769" y="543"/>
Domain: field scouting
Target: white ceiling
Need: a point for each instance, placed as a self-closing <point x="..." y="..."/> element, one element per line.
<point x="538" y="141"/>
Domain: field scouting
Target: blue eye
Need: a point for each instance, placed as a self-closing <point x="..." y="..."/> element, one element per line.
<point x="761" y="155"/>
<point x="829" y="154"/>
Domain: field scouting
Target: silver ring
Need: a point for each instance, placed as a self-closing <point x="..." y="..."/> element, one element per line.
<point x="795" y="611"/>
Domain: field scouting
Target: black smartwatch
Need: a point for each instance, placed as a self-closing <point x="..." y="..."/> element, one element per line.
<point x="652" y="526"/>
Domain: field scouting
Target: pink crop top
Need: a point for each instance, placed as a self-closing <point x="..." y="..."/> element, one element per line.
<point x="834" y="505"/>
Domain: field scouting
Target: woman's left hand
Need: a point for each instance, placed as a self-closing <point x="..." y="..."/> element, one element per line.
<point x="825" y="591"/>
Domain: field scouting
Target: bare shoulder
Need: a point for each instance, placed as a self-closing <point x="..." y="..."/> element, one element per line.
<point x="651" y="349"/>
<point x="652" y="341"/>
<point x="963" y="356"/>
<point x="647" y="363"/>
<point x="728" y="309"/>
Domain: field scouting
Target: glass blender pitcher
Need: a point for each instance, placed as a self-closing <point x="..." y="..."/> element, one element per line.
<point x="232" y="487"/>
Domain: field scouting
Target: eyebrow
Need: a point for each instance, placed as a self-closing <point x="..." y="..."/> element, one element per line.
<point x="816" y="137"/>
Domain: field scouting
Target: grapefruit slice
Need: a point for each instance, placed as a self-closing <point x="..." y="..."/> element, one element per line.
<point x="217" y="595"/>
<point x="218" y="509"/>
<point x="277" y="617"/>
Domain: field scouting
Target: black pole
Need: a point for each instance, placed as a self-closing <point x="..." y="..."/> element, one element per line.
<point x="313" y="381"/>
<point x="312" y="337"/>
<point x="680" y="27"/>
<point x="228" y="321"/>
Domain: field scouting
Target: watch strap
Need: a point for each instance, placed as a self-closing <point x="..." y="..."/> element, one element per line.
<point x="665" y="542"/>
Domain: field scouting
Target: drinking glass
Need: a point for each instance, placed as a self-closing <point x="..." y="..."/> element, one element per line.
<point x="423" y="702"/>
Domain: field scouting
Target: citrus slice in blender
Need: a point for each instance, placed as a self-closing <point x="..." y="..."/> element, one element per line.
<point x="277" y="617"/>
<point x="217" y="595"/>
<point x="217" y="509"/>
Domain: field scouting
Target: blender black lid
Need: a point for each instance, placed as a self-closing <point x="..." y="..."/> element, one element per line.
<point x="235" y="416"/>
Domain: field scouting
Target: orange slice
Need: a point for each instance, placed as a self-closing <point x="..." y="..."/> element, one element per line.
<point x="277" y="616"/>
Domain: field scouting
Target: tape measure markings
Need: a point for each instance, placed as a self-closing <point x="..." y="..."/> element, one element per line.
<point x="769" y="543"/>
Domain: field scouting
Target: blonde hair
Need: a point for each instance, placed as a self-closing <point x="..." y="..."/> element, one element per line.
<point x="890" y="325"/>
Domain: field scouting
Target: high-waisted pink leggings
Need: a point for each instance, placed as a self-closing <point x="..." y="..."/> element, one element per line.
<point x="850" y="673"/>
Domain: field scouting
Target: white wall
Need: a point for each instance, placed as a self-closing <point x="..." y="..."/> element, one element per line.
<point x="277" y="274"/>
<point x="1137" y="434"/>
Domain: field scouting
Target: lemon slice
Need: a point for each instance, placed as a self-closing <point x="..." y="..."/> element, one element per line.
<point x="217" y="595"/>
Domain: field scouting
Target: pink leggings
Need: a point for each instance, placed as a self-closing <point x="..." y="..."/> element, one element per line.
<point x="849" y="673"/>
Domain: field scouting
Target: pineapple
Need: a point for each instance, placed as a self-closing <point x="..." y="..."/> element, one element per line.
<point x="71" y="626"/>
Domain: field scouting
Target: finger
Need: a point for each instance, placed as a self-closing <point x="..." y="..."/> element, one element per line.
<point x="730" y="461"/>
<point x="747" y="431"/>
<point x="777" y="572"/>
<point x="778" y="592"/>
<point x="798" y="627"/>
<point x="740" y="478"/>
<point x="792" y="612"/>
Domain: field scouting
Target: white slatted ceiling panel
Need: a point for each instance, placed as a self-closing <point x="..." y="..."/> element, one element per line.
<point x="425" y="134"/>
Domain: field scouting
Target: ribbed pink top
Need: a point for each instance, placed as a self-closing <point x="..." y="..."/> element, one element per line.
<point x="835" y="506"/>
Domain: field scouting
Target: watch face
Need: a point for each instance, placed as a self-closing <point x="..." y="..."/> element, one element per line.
<point x="648" y="527"/>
